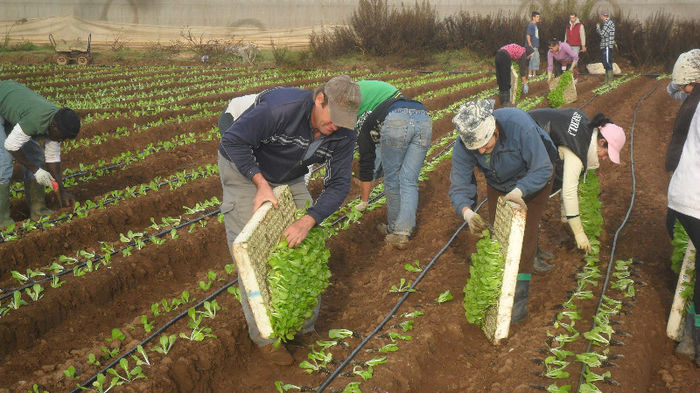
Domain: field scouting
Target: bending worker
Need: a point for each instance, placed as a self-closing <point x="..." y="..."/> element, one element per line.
<point x="25" y="119"/>
<point x="403" y="129"/>
<point x="581" y="144"/>
<point x="561" y="57"/>
<point x="504" y="57"/>
<point x="271" y="144"/>
<point x="515" y="156"/>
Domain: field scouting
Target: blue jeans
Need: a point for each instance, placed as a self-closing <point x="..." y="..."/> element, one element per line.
<point x="606" y="58"/>
<point x="405" y="140"/>
<point x="31" y="149"/>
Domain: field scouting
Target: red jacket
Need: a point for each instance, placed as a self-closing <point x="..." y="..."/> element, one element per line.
<point x="575" y="34"/>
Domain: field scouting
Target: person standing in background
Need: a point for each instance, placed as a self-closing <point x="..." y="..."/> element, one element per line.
<point x="532" y="40"/>
<point x="606" y="31"/>
<point x="575" y="34"/>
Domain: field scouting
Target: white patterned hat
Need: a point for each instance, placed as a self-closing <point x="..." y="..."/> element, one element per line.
<point x="475" y="123"/>
<point x="687" y="68"/>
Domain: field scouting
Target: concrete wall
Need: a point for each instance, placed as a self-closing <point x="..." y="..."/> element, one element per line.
<point x="277" y="14"/>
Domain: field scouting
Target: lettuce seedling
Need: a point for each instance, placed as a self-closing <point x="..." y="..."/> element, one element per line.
<point x="129" y="374"/>
<point x="166" y="343"/>
<point x="109" y="353"/>
<point x="388" y="348"/>
<point x="283" y="387"/>
<point x="339" y="334"/>
<point x="210" y="309"/>
<point x="35" y="389"/>
<point x="17" y="301"/>
<point x="396" y="336"/>
<point x="235" y="291"/>
<point x="69" y="372"/>
<point x="352" y="387"/>
<point x="406" y="325"/>
<point x="116" y="335"/>
<point x="483" y="287"/>
<point x="34" y="292"/>
<point x="147" y="326"/>
<point x="376" y="361"/>
<point x="404" y="286"/>
<point x="230" y="268"/>
<point x="415" y="268"/>
<point x="155" y="309"/>
<point x="444" y="297"/>
<point x="413" y="314"/>
<point x="143" y="359"/>
<point x="553" y="388"/>
<point x="92" y="360"/>
<point x="198" y="333"/>
<point x="589" y="388"/>
<point x="364" y="374"/>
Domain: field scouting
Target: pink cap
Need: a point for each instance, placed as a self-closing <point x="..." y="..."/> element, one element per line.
<point x="615" y="136"/>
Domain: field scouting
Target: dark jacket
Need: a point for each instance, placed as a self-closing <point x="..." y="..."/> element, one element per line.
<point x="567" y="127"/>
<point x="680" y="129"/>
<point x="273" y="136"/>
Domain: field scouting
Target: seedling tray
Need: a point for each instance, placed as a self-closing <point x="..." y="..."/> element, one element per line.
<point x="508" y="230"/>
<point x="674" y="328"/>
<point x="252" y="249"/>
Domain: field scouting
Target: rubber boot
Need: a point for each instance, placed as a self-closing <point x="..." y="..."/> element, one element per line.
<point x="696" y="337"/>
<point x="541" y="266"/>
<point x="36" y="199"/>
<point x="522" y="293"/>
<point x="5" y="220"/>
<point x="611" y="75"/>
<point x="686" y="347"/>
<point x="542" y="254"/>
<point x="505" y="98"/>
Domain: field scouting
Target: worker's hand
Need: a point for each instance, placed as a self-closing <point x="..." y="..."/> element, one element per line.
<point x="65" y="198"/>
<point x="583" y="49"/>
<point x="44" y="178"/>
<point x="573" y="65"/>
<point x="263" y="195"/>
<point x="296" y="233"/>
<point x="526" y="89"/>
<point x="597" y="25"/>
<point x="582" y="241"/>
<point x="516" y="196"/>
<point x="362" y="206"/>
<point x="474" y="220"/>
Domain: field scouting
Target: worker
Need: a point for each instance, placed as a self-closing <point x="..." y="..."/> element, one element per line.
<point x="581" y="144"/>
<point x="403" y="130"/>
<point x="26" y="118"/>
<point x="271" y="144"/>
<point x="561" y="57"/>
<point x="515" y="155"/>
<point x="504" y="57"/>
<point x="683" y="196"/>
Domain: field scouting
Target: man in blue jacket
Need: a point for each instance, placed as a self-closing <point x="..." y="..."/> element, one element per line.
<point x="272" y="143"/>
<point x="514" y="154"/>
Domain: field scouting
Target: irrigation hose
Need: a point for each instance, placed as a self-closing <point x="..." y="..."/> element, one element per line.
<point x="622" y="225"/>
<point x="152" y="336"/>
<point x="405" y="296"/>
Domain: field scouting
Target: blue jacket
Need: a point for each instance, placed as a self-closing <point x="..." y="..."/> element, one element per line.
<point x="519" y="159"/>
<point x="273" y="136"/>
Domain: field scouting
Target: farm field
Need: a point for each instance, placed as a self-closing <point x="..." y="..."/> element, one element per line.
<point x="145" y="243"/>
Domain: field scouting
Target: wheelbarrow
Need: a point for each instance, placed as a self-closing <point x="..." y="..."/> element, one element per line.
<point x="76" y="51"/>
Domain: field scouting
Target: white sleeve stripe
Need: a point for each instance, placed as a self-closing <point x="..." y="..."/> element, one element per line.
<point x="52" y="151"/>
<point x="16" y="139"/>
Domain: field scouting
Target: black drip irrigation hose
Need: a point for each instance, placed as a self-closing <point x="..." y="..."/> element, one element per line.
<point x="152" y="336"/>
<point x="391" y="313"/>
<point x="619" y="229"/>
<point x="97" y="258"/>
<point x="104" y="203"/>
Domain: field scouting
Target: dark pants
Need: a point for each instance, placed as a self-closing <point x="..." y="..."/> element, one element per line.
<point x="536" y="205"/>
<point x="557" y="66"/>
<point x="692" y="228"/>
<point x="503" y="64"/>
<point x="606" y="58"/>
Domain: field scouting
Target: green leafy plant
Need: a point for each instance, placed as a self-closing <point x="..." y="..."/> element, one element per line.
<point x="414" y="268"/>
<point x="444" y="297"/>
<point x="555" y="98"/>
<point x="69" y="372"/>
<point x="166" y="343"/>
<point x="484" y="284"/>
<point x="404" y="286"/>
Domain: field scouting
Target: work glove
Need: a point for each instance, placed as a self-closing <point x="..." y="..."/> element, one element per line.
<point x="362" y="206"/>
<point x="516" y="196"/>
<point x="475" y="222"/>
<point x="582" y="241"/>
<point x="526" y="89"/>
<point x="44" y="178"/>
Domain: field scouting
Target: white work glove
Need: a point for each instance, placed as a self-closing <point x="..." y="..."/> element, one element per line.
<point x="582" y="241"/>
<point x="362" y="206"/>
<point x="475" y="222"/>
<point x="44" y="178"/>
<point x="516" y="196"/>
<point x="526" y="89"/>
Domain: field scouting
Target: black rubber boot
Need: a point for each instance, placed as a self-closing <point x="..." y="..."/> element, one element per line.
<point x="696" y="338"/>
<point x="541" y="266"/>
<point x="522" y="293"/>
<point x="686" y="347"/>
<point x="5" y="220"/>
<point x="505" y="98"/>
<point x="36" y="199"/>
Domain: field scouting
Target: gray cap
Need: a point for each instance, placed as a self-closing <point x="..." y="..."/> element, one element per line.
<point x="344" y="100"/>
<point x="605" y="12"/>
<point x="475" y="123"/>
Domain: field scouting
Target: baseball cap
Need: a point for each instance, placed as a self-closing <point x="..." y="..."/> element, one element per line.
<point x="344" y="100"/>
<point x="605" y="12"/>
<point x="615" y="136"/>
<point x="475" y="123"/>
